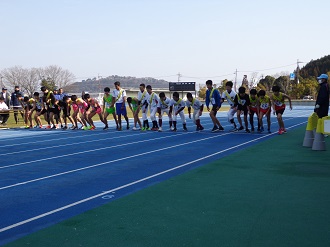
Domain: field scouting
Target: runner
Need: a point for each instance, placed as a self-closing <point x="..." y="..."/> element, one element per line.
<point x="153" y="100"/>
<point x="119" y="95"/>
<point x="265" y="109"/>
<point x="38" y="108"/>
<point x="198" y="110"/>
<point x="27" y="105"/>
<point x="278" y="99"/>
<point x="254" y="108"/>
<point x="164" y="107"/>
<point x="49" y="101"/>
<point x="66" y="108"/>
<point x="213" y="97"/>
<point x="79" y="106"/>
<point x="229" y="95"/>
<point x="142" y="94"/>
<point x="242" y="103"/>
<point x="108" y="108"/>
<point x="133" y="104"/>
<point x="94" y="108"/>
<point x="176" y="107"/>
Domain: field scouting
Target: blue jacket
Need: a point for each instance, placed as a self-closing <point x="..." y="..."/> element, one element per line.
<point x="215" y="97"/>
<point x="14" y="101"/>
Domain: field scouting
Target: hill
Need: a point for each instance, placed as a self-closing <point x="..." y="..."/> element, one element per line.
<point x="94" y="85"/>
<point x="316" y="67"/>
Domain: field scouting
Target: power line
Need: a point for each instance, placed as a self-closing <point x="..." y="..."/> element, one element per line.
<point x="258" y="70"/>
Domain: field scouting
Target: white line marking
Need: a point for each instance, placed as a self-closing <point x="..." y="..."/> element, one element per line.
<point x="127" y="185"/>
<point x="108" y="162"/>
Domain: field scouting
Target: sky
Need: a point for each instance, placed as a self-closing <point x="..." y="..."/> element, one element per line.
<point x="201" y="40"/>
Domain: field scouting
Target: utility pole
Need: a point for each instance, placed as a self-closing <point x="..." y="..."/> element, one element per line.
<point x="297" y="70"/>
<point x="179" y="76"/>
<point x="235" y="89"/>
<point x="98" y="78"/>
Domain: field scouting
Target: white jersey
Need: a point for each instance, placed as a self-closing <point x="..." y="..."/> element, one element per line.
<point x="119" y="95"/>
<point x="152" y="99"/>
<point x="230" y="97"/>
<point x="178" y="104"/>
<point x="195" y="104"/>
<point x="142" y="95"/>
<point x="164" y="104"/>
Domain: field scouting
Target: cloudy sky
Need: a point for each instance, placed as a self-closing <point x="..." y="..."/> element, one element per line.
<point x="151" y="38"/>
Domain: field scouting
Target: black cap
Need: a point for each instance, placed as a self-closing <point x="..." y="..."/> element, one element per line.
<point x="4" y="88"/>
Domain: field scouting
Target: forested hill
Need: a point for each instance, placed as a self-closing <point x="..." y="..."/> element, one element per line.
<point x="316" y="67"/>
<point x="94" y="85"/>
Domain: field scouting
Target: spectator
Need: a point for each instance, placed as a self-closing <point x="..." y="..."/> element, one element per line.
<point x="322" y="100"/>
<point x="4" y="111"/>
<point x="16" y="104"/>
<point x="6" y="96"/>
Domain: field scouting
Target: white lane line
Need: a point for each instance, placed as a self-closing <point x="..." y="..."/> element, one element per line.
<point x="88" y="151"/>
<point x="54" y="157"/>
<point x="64" y="145"/>
<point x="49" y="140"/>
<point x="108" y="162"/>
<point x="128" y="185"/>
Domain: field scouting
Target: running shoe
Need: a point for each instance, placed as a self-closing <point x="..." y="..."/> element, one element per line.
<point x="174" y="129"/>
<point x="247" y="131"/>
<point x="119" y="129"/>
<point x="220" y="128"/>
<point x="269" y="131"/>
<point x="106" y="127"/>
<point x="234" y="129"/>
<point x="134" y="128"/>
<point x="262" y="129"/>
<point x="85" y="128"/>
<point x="74" y="128"/>
<point x="280" y="132"/>
<point x="160" y="129"/>
<point x="284" y="131"/>
<point x="241" y="128"/>
<point x="215" y="129"/>
<point x="65" y="128"/>
<point x="93" y="128"/>
<point x="48" y="127"/>
<point x="252" y="129"/>
<point x="185" y="128"/>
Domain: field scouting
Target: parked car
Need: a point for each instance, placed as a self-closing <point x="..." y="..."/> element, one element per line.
<point x="308" y="97"/>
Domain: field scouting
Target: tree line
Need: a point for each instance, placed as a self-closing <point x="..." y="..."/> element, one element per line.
<point x="305" y="82"/>
<point x="96" y="85"/>
<point x="31" y="79"/>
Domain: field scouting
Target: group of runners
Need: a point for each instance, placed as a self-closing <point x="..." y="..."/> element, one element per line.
<point x="255" y="104"/>
<point x="58" y="108"/>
